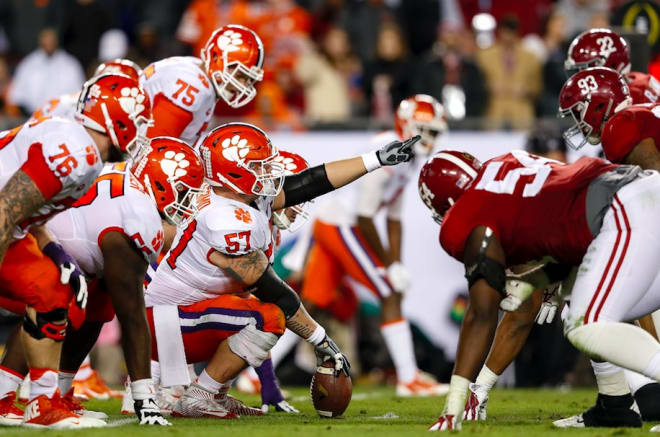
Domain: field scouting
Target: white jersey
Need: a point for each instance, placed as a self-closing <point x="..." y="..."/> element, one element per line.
<point x="116" y="202"/>
<point x="186" y="275"/>
<point x="382" y="188"/>
<point x="59" y="156"/>
<point x="64" y="106"/>
<point x="181" y="80"/>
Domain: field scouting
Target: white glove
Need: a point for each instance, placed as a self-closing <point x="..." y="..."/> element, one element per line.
<point x="517" y="292"/>
<point x="148" y="413"/>
<point x="475" y="407"/>
<point x="399" y="276"/>
<point x="446" y="422"/>
<point x="551" y="301"/>
<point x="282" y="406"/>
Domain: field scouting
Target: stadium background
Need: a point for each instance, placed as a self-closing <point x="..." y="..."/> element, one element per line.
<point x="335" y="71"/>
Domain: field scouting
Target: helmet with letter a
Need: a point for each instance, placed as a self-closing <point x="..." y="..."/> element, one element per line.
<point x="444" y="178"/>
<point x="598" y="48"/>
<point x="591" y="97"/>
<point x="241" y="158"/>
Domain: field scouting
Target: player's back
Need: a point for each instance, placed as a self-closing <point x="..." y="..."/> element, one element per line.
<point x="189" y="95"/>
<point x="644" y="88"/>
<point x="64" y="106"/>
<point x="536" y="207"/>
<point x="186" y="274"/>
<point x="116" y="202"/>
<point x="63" y="161"/>
<point x="628" y="127"/>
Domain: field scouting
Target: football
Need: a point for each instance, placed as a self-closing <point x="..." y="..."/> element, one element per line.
<point x="331" y="392"/>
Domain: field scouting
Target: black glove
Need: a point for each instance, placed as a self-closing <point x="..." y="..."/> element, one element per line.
<point x="148" y="413"/>
<point x="70" y="272"/>
<point x="326" y="350"/>
<point x="397" y="151"/>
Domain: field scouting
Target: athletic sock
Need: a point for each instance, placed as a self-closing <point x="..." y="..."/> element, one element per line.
<point x="398" y="339"/>
<point x="42" y="382"/>
<point x="142" y="389"/>
<point x="84" y="371"/>
<point x="610" y="379"/>
<point x="65" y="380"/>
<point x="270" y="391"/>
<point x="9" y="380"/>
<point x="208" y="383"/>
<point x="486" y="378"/>
<point x="636" y="380"/>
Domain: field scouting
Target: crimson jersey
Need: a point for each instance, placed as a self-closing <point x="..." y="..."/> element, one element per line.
<point x="629" y="127"/>
<point x="644" y="88"/>
<point x="535" y="206"/>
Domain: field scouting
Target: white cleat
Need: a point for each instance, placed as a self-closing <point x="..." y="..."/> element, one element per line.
<point x="423" y="385"/>
<point x="127" y="406"/>
<point x="198" y="402"/>
<point x="570" y="422"/>
<point x="247" y="384"/>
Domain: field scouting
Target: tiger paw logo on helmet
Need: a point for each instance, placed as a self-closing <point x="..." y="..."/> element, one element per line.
<point x="174" y="164"/>
<point x="230" y="41"/>
<point x="288" y="164"/>
<point x="235" y="148"/>
<point x="131" y="100"/>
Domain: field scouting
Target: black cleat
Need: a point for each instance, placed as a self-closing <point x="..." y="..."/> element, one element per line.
<point x="648" y="400"/>
<point x="609" y="412"/>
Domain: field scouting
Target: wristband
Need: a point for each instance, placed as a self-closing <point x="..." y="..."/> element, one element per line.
<point x="371" y="161"/>
<point x="487" y="378"/>
<point x="317" y="336"/>
<point x="142" y="389"/>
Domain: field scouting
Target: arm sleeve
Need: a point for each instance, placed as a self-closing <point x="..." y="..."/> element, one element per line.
<point x="371" y="192"/>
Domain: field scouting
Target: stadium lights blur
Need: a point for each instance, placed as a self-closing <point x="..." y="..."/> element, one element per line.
<point x="484" y="29"/>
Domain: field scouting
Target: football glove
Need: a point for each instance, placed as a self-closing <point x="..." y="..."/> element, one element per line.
<point x="517" y="292"/>
<point x="446" y="422"/>
<point x="70" y="273"/>
<point x="399" y="277"/>
<point x="551" y="301"/>
<point x="397" y="151"/>
<point x="475" y="407"/>
<point x="281" y="406"/>
<point x="148" y="413"/>
<point x="326" y="350"/>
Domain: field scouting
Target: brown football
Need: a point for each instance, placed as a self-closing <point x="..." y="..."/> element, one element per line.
<point x="331" y="393"/>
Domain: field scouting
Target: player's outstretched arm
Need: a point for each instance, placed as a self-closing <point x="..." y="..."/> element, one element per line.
<point x="19" y="199"/>
<point x="316" y="181"/>
<point x="124" y="270"/>
<point x="253" y="269"/>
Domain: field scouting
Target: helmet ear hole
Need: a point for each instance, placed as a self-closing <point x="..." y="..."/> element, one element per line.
<point x="234" y="175"/>
<point x="159" y="186"/>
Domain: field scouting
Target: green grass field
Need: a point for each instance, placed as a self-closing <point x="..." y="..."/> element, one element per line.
<point x="374" y="412"/>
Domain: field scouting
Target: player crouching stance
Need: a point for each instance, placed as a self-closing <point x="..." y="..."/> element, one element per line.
<point x="224" y="253"/>
<point x="518" y="208"/>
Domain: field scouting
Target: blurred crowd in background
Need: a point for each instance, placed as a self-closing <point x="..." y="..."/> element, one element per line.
<point x="329" y="63"/>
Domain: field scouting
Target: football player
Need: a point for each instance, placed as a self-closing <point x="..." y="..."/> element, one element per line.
<point x="225" y="252"/>
<point x="346" y="242"/>
<point x="47" y="165"/>
<point x="518" y="208"/>
<point x="184" y="90"/>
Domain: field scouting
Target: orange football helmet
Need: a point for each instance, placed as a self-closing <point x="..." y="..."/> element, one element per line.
<point x="421" y="115"/>
<point x="124" y="66"/>
<point x="173" y="175"/>
<point x="234" y="59"/>
<point x="240" y="156"/>
<point x="291" y="164"/>
<point x="116" y="105"/>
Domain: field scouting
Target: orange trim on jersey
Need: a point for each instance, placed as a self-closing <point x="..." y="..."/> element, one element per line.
<point x="392" y="322"/>
<point x="208" y="256"/>
<point x="109" y="229"/>
<point x="169" y="119"/>
<point x="37" y="169"/>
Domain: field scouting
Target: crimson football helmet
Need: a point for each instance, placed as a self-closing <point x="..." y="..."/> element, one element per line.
<point x="291" y="163"/>
<point x="124" y="66"/>
<point x="117" y="106"/>
<point x="598" y="48"/>
<point x="234" y="59"/>
<point x="444" y="177"/>
<point x="240" y="157"/>
<point x="591" y="97"/>
<point x="421" y="115"/>
<point x="173" y="175"/>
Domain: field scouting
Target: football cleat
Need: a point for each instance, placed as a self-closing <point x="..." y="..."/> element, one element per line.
<point x="248" y="384"/>
<point x="10" y="414"/>
<point x="198" y="402"/>
<point x="77" y="407"/>
<point x="24" y="392"/>
<point x="94" y="387"/>
<point x="648" y="401"/>
<point x="45" y="412"/>
<point x="235" y="406"/>
<point x="127" y="406"/>
<point x="423" y="385"/>
<point x="609" y="412"/>
<point x="166" y="398"/>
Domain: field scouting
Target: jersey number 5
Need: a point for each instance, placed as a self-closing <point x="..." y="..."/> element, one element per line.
<point x="533" y="166"/>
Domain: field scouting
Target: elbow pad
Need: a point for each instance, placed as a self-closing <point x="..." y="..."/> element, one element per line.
<point x="306" y="185"/>
<point x="270" y="288"/>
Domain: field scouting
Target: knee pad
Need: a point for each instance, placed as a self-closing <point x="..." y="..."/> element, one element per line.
<point x="252" y="345"/>
<point x="48" y="325"/>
